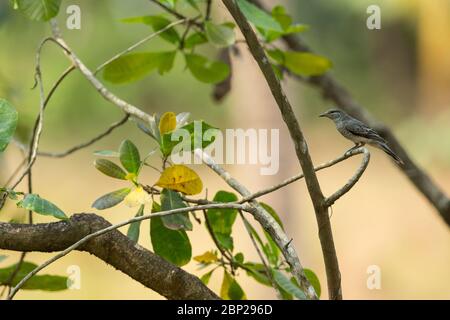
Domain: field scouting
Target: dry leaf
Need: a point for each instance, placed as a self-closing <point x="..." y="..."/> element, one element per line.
<point x="181" y="178"/>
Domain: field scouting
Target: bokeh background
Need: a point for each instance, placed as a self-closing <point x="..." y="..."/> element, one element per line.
<point x="401" y="73"/>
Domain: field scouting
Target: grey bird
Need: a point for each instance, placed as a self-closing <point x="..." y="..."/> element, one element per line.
<point x="359" y="132"/>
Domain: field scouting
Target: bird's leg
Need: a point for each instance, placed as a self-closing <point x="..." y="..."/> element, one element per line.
<point x="356" y="146"/>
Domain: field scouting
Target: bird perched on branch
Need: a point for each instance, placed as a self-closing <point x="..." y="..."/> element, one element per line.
<point x="359" y="132"/>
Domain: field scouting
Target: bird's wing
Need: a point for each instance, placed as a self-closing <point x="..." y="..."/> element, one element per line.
<point x="360" y="129"/>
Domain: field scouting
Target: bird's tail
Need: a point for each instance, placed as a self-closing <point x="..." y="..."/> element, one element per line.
<point x="385" y="148"/>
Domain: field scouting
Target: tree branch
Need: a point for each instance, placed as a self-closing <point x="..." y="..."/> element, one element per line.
<point x="301" y="175"/>
<point x="301" y="148"/>
<point x="354" y="179"/>
<point x="114" y="248"/>
<point x="267" y="222"/>
<point x="105" y="93"/>
<point x="63" y="154"/>
<point x="139" y="43"/>
<point x="116" y="226"/>
<point x="261" y="256"/>
<point x="336" y="92"/>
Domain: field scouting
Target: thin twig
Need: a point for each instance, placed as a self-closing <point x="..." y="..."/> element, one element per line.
<point x="119" y="225"/>
<point x="16" y="171"/>
<point x="110" y="129"/>
<point x="216" y="241"/>
<point x="102" y="90"/>
<point x="39" y="121"/>
<point x="301" y="175"/>
<point x="261" y="256"/>
<point x="34" y="144"/>
<point x="301" y="150"/>
<point x="139" y="43"/>
<point x="175" y="13"/>
<point x="352" y="181"/>
<point x="262" y="216"/>
<point x="334" y="91"/>
<point x="208" y="9"/>
<point x="267" y="222"/>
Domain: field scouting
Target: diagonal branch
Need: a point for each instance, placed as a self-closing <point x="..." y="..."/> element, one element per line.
<point x="102" y="90"/>
<point x="336" y="92"/>
<point x="261" y="255"/>
<point x="267" y="222"/>
<point x="263" y="217"/>
<point x="110" y="228"/>
<point x="139" y="43"/>
<point x="63" y="154"/>
<point x="301" y="148"/>
<point x="114" y="248"/>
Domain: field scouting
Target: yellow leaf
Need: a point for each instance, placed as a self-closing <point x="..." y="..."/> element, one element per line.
<point x="207" y="257"/>
<point x="168" y="122"/>
<point x="137" y="197"/>
<point x="181" y="178"/>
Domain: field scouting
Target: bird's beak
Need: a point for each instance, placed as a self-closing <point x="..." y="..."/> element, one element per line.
<point x="323" y="114"/>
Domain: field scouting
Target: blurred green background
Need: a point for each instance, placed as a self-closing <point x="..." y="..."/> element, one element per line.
<point x="401" y="73"/>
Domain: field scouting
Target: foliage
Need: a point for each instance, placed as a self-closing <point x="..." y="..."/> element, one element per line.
<point x="8" y="123"/>
<point x="172" y="185"/>
<point x="37" y="282"/>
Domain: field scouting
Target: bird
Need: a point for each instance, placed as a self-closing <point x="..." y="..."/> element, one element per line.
<point x="359" y="133"/>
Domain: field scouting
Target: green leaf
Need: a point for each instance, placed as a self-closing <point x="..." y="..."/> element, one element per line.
<point x="287" y="285"/>
<point x="169" y="3"/>
<point x="258" y="17"/>
<point x="172" y="200"/>
<point x="166" y="63"/>
<point x="279" y="14"/>
<point x="193" y="4"/>
<point x="220" y="35"/>
<point x="314" y="280"/>
<point x="135" y="66"/>
<point x="8" y="123"/>
<point x="195" y="39"/>
<point x="206" y="277"/>
<point x="37" y="282"/>
<point x="305" y="63"/>
<point x="258" y="272"/>
<point x="205" y="70"/>
<point x="196" y="137"/>
<point x="111" y="199"/>
<point x="231" y="290"/>
<point x="110" y="169"/>
<point x="277" y="55"/>
<point x="133" y="229"/>
<point x="107" y="153"/>
<point x="129" y="157"/>
<point x="172" y="245"/>
<point x="40" y="10"/>
<point x="157" y="23"/>
<point x="222" y="220"/>
<point x="239" y="257"/>
<point x="271" y="249"/>
<point x="235" y="291"/>
<point x="273" y="213"/>
<point x="35" y="203"/>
